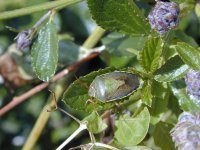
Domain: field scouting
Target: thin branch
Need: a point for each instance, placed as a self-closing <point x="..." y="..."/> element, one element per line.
<point x="69" y="139"/>
<point x="96" y="145"/>
<point x="36" y="8"/>
<point x="101" y="145"/>
<point x="19" y="99"/>
<point x="42" y="19"/>
<point x="42" y="119"/>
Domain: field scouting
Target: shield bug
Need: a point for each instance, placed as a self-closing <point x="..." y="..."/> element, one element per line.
<point x="113" y="86"/>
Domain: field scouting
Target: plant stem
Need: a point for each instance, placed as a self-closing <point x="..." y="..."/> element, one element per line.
<point x="68" y="114"/>
<point x="36" y="8"/>
<point x="81" y="128"/>
<point x="44" y="116"/>
<point x="42" y="19"/>
<point x="94" y="38"/>
<point x="101" y="145"/>
<point x="41" y="122"/>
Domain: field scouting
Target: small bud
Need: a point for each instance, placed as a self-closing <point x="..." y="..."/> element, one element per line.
<point x="24" y="39"/>
<point x="164" y="16"/>
<point x="192" y="80"/>
<point x="186" y="133"/>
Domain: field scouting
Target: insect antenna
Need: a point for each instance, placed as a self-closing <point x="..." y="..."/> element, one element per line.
<point x="54" y="100"/>
<point x="78" y="80"/>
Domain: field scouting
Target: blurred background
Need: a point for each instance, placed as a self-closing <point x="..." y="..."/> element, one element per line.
<point x="74" y="25"/>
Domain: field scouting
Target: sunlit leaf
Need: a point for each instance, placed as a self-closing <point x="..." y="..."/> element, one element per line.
<point x="147" y="96"/>
<point x="184" y="100"/>
<point x="189" y="54"/>
<point x="132" y="130"/>
<point x="185" y="38"/>
<point x="162" y="137"/>
<point x="173" y="70"/>
<point x="45" y="52"/>
<point x="151" y="53"/>
<point x="95" y="123"/>
<point x="137" y="148"/>
<point x="122" y="16"/>
<point x="118" y="43"/>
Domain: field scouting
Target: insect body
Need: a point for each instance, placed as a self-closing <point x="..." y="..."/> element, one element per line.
<point x="113" y="86"/>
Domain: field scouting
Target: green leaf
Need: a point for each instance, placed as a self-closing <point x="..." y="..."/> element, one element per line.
<point x="160" y="92"/>
<point x="189" y="54"/>
<point x="118" y="43"/>
<point x="187" y="104"/>
<point x="95" y="123"/>
<point x="162" y="137"/>
<point x="147" y="96"/>
<point x="45" y="52"/>
<point x="158" y="108"/>
<point x="151" y="53"/>
<point x="111" y="59"/>
<point x="132" y="130"/>
<point x="76" y="96"/>
<point x="122" y="50"/>
<point x="186" y="6"/>
<point x="185" y="38"/>
<point x="173" y="70"/>
<point x="116" y="15"/>
<point x="68" y="52"/>
<point x="137" y="148"/>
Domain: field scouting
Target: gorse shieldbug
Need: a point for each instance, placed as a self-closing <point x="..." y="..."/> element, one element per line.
<point x="113" y="86"/>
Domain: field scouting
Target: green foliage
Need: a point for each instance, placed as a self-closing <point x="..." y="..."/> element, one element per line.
<point x="132" y="130"/>
<point x="117" y="15"/>
<point x="160" y="62"/>
<point x="173" y="70"/>
<point x="45" y="52"/>
<point x="162" y="136"/>
<point x="147" y="95"/>
<point x="137" y="148"/>
<point x="95" y="123"/>
<point x="185" y="102"/>
<point x="151" y="53"/>
<point x="189" y="54"/>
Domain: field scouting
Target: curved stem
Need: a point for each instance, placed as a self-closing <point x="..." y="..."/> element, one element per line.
<point x="101" y="145"/>
<point x="41" y="121"/>
<point x="68" y="114"/>
<point x="42" y="19"/>
<point x="36" y="8"/>
<point x="94" y="38"/>
<point x="81" y="128"/>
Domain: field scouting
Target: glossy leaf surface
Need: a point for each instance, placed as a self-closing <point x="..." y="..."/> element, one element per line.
<point x="45" y="52"/>
<point x="173" y="70"/>
<point x="186" y="103"/>
<point x="189" y="54"/>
